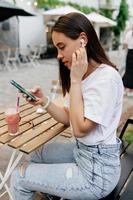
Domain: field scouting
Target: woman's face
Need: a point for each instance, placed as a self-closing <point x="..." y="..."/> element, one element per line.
<point x="65" y="47"/>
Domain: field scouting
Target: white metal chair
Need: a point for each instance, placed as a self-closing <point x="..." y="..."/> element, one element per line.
<point x="11" y="58"/>
<point x="35" y="53"/>
<point x="56" y="89"/>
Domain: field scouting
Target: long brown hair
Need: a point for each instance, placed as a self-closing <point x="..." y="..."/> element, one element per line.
<point x="72" y="25"/>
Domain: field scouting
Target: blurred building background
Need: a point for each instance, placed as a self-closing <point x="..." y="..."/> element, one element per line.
<point x="23" y="32"/>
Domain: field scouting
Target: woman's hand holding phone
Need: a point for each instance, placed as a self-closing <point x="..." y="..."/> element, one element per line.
<point x="34" y="96"/>
<point x="79" y="64"/>
<point x="40" y="98"/>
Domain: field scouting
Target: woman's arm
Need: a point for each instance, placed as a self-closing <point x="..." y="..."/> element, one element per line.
<point x="60" y="114"/>
<point x="81" y="125"/>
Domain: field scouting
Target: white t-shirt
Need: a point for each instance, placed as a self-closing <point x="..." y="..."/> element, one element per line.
<point x="102" y="94"/>
<point x="129" y="39"/>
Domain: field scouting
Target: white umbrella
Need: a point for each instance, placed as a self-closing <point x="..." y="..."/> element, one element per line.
<point x="101" y="20"/>
<point x="60" y="10"/>
<point x="53" y="13"/>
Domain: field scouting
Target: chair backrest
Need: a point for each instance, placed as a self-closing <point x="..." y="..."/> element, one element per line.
<point x="125" y="184"/>
<point x="56" y="89"/>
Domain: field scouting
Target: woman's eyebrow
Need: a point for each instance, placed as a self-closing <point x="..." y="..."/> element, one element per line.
<point x="59" y="43"/>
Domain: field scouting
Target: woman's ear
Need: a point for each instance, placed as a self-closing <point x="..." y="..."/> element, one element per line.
<point x="82" y="42"/>
<point x="83" y="38"/>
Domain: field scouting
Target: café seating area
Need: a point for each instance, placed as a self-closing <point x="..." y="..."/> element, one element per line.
<point x="12" y="58"/>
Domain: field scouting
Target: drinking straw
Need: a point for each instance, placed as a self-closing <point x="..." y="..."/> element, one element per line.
<point x="17" y="106"/>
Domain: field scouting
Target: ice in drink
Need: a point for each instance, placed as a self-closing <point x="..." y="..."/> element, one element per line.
<point x="12" y="118"/>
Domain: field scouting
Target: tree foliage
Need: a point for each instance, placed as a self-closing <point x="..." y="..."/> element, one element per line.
<point x="121" y="18"/>
<point x="46" y="4"/>
<point x="84" y="9"/>
<point x="106" y="12"/>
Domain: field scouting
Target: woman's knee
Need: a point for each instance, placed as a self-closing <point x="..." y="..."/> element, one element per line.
<point x="19" y="189"/>
<point x="18" y="174"/>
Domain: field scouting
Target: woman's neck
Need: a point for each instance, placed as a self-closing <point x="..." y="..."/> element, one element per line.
<point x="92" y="66"/>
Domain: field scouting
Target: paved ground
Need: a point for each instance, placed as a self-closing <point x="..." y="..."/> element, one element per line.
<point x="29" y="76"/>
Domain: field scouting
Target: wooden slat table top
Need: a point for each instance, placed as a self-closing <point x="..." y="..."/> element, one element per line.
<point x="34" y="130"/>
<point x="43" y="138"/>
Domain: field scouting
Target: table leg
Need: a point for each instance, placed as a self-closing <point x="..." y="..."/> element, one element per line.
<point x="11" y="166"/>
<point x="11" y="160"/>
<point x="6" y="187"/>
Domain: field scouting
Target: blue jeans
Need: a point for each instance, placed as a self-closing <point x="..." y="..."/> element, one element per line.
<point x="69" y="170"/>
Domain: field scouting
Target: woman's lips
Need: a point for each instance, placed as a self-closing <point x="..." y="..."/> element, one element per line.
<point x="65" y="63"/>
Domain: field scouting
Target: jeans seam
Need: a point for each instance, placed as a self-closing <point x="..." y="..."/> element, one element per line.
<point x="57" y="187"/>
<point x="103" y="180"/>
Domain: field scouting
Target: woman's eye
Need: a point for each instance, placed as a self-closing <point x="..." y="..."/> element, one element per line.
<point x="61" y="48"/>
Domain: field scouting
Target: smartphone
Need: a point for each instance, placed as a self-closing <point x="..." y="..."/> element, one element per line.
<point x="23" y="90"/>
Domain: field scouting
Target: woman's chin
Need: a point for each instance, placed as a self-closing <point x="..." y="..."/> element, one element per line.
<point x="68" y="65"/>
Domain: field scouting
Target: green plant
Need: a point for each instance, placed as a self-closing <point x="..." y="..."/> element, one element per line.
<point x="48" y="3"/>
<point x="121" y="23"/>
<point x="129" y="136"/>
<point x="106" y="12"/>
<point x="84" y="9"/>
<point x="121" y="18"/>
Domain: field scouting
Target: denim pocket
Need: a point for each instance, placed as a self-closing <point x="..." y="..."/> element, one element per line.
<point x="84" y="159"/>
<point x="111" y="169"/>
<point x="111" y="177"/>
<point x="111" y="159"/>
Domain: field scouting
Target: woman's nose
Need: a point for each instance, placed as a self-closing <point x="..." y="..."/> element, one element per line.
<point x="59" y="56"/>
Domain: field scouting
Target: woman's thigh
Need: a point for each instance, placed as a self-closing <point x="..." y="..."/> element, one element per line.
<point x="54" y="152"/>
<point x="64" y="180"/>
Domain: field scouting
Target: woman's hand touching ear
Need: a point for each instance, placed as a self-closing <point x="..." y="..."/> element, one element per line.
<point x="79" y="64"/>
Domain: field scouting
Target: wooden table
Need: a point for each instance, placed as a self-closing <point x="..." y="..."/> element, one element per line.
<point x="35" y="130"/>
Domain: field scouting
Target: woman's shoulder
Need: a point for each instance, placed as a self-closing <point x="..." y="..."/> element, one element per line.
<point x="104" y="73"/>
<point x="108" y="72"/>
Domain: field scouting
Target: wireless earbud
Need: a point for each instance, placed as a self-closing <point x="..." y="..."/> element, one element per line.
<point x="82" y="43"/>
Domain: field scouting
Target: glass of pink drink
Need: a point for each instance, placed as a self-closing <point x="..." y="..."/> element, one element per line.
<point x="12" y="118"/>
